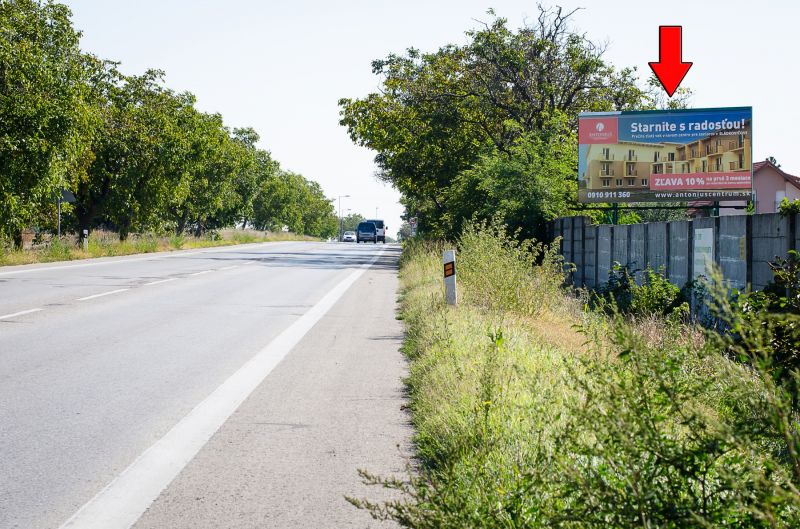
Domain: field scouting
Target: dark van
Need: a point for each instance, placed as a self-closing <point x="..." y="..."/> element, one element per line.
<point x="367" y="231"/>
<point x="380" y="229"/>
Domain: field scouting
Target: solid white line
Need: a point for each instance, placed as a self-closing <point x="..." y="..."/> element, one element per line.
<point x="103" y="294"/>
<point x="229" y="267"/>
<point x="161" y="281"/>
<point x="20" y="313"/>
<point x="200" y="273"/>
<point x="121" y="503"/>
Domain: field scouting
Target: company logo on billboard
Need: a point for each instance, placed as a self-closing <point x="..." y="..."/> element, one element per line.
<point x="598" y="130"/>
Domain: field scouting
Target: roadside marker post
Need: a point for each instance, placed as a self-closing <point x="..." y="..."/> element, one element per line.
<point x="449" y="259"/>
<point x="85" y="240"/>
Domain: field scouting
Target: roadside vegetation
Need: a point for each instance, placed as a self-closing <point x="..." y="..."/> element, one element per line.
<point x="488" y="128"/>
<point x="538" y="406"/>
<point x="136" y="156"/>
<point x="108" y="244"/>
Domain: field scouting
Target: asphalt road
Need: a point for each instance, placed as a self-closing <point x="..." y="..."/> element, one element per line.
<point x="103" y="363"/>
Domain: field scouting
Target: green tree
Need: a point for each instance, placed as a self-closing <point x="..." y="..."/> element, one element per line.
<point x="442" y="118"/>
<point x="44" y="116"/>
<point x="404" y="232"/>
<point x="350" y="222"/>
<point x="288" y="199"/>
<point x="132" y="176"/>
<point x="137" y="155"/>
<point x="532" y="183"/>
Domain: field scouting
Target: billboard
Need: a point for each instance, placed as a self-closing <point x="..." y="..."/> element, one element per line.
<point x="665" y="155"/>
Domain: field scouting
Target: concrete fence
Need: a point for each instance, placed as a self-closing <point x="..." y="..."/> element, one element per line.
<point x="741" y="245"/>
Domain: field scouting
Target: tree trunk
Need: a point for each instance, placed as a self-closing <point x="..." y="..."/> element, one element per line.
<point x="180" y="226"/>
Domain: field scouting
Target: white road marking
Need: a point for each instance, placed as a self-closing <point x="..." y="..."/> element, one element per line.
<point x="161" y="281"/>
<point x="138" y="257"/>
<point x="103" y="294"/>
<point x="229" y="267"/>
<point x="123" y="501"/>
<point x="20" y="313"/>
<point x="200" y="273"/>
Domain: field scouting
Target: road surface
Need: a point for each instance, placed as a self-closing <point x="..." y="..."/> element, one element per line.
<point x="228" y="387"/>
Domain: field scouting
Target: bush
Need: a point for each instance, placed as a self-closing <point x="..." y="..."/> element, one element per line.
<point x="656" y="295"/>
<point x="765" y="326"/>
<point x="177" y="241"/>
<point x="670" y="436"/>
<point x="500" y="273"/>
<point x="58" y="250"/>
<point x="649" y="424"/>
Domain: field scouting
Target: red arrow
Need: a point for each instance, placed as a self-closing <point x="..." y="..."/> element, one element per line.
<point x="670" y="68"/>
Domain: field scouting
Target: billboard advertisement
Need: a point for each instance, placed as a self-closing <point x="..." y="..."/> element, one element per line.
<point x="665" y="155"/>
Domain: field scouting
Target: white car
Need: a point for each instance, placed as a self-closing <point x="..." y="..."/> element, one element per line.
<point x="349" y="236"/>
<point x="380" y="228"/>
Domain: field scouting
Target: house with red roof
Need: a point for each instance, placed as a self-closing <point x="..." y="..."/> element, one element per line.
<point x="771" y="185"/>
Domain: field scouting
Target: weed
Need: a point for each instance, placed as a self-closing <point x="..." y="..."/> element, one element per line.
<point x="649" y="423"/>
<point x="656" y="295"/>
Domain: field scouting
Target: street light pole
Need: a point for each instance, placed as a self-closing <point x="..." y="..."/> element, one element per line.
<point x="341" y="220"/>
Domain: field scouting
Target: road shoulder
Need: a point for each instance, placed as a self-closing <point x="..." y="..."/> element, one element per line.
<point x="290" y="454"/>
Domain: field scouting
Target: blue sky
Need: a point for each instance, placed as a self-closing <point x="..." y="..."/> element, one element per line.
<point x="280" y="67"/>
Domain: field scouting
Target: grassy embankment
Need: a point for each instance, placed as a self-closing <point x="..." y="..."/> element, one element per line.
<point x="107" y="244"/>
<point x="533" y="410"/>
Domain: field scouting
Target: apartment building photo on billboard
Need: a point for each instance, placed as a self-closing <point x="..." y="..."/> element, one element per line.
<point x="665" y="156"/>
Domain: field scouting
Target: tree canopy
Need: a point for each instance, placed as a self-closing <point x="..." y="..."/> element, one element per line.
<point x="489" y="128"/>
<point x="136" y="155"/>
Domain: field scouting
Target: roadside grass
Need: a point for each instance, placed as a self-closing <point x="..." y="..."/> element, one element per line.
<point x="107" y="244"/>
<point x="533" y="410"/>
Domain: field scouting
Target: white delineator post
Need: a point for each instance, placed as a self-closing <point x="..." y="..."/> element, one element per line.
<point x="450" y="293"/>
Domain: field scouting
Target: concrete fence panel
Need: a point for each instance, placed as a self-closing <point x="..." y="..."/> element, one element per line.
<point x="732" y="260"/>
<point x="590" y="256"/>
<point x="620" y="240"/>
<point x="637" y="256"/>
<point x="770" y="239"/>
<point x="678" y="260"/>
<point x="578" y="249"/>
<point x="741" y="245"/>
<point x="604" y="251"/>
<point x="657" y="250"/>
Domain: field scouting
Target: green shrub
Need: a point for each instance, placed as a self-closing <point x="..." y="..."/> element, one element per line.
<point x="656" y="295"/>
<point x="177" y="241"/>
<point x="786" y="207"/>
<point x="145" y="244"/>
<point x="765" y="326"/>
<point x="58" y="250"/>
<point x="654" y="425"/>
<point x="501" y="273"/>
<point x="670" y="436"/>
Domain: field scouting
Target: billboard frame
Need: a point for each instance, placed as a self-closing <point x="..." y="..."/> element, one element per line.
<point x="604" y="136"/>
